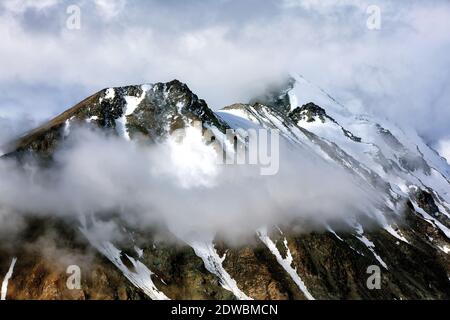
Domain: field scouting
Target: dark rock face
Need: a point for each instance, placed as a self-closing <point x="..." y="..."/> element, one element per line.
<point x="167" y="107"/>
<point x="48" y="246"/>
<point x="276" y="97"/>
<point x="426" y="202"/>
<point x="309" y="112"/>
<point x="348" y="279"/>
<point x="159" y="110"/>
<point x="332" y="265"/>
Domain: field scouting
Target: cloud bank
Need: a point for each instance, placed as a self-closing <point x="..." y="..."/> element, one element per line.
<point x="228" y="51"/>
<point x="146" y="186"/>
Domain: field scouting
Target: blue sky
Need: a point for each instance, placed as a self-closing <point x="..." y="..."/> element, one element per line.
<point x="227" y="51"/>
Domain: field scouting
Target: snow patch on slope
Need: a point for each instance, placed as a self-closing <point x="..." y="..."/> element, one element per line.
<point x="304" y="92"/>
<point x="213" y="263"/>
<point x="395" y="233"/>
<point x="110" y="93"/>
<point x="139" y="275"/>
<point x="369" y="244"/>
<point x="286" y="263"/>
<point x="132" y="103"/>
<point x="445" y="249"/>
<point x="431" y="220"/>
<point x="237" y="119"/>
<point x="8" y="276"/>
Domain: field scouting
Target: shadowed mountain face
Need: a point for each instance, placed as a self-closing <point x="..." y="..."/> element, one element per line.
<point x="407" y="238"/>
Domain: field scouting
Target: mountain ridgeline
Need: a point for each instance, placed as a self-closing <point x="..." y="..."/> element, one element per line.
<point x="409" y="237"/>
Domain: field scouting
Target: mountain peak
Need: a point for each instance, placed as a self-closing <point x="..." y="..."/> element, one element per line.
<point x="309" y="112"/>
<point x="276" y="96"/>
<point x="149" y="111"/>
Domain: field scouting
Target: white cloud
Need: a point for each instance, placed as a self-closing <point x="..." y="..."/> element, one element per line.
<point x="226" y="52"/>
<point x="109" y="9"/>
<point x="324" y="5"/>
<point x="20" y="6"/>
<point x="95" y="173"/>
<point x="444" y="149"/>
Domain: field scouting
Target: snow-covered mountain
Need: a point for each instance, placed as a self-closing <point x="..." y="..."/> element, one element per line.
<point x="407" y="234"/>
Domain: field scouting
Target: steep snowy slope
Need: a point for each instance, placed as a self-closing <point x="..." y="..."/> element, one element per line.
<point x="400" y="165"/>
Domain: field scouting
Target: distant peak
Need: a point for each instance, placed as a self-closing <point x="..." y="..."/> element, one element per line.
<point x="276" y="95"/>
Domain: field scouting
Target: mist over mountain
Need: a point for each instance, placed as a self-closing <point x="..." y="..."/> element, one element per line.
<point x="303" y="152"/>
<point x="109" y="177"/>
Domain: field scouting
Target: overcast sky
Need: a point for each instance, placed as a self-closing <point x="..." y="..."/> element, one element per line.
<point x="227" y="51"/>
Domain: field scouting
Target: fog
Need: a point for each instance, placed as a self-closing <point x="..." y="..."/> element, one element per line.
<point x="227" y="52"/>
<point x="177" y="186"/>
